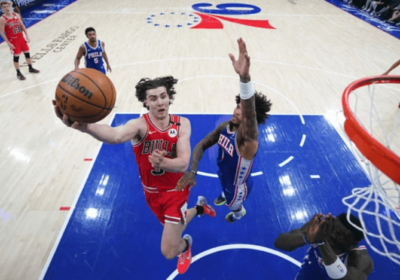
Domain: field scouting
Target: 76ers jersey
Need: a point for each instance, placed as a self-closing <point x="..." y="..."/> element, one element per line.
<point x="234" y="170"/>
<point x="313" y="267"/>
<point x="13" y="28"/>
<point x="94" y="57"/>
<point x="153" y="179"/>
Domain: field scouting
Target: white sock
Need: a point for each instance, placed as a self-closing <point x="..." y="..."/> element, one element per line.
<point x="239" y="214"/>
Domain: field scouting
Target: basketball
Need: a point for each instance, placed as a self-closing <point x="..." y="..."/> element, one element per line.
<point x="85" y="95"/>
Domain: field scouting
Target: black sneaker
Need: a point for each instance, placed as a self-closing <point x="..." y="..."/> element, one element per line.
<point x="20" y="77"/>
<point x="33" y="70"/>
<point x="220" y="200"/>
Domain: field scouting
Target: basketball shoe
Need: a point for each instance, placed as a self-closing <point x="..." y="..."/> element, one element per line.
<point x="230" y="218"/>
<point x="220" y="200"/>
<point x="185" y="258"/>
<point x="20" y="77"/>
<point x="33" y="70"/>
<point x="208" y="209"/>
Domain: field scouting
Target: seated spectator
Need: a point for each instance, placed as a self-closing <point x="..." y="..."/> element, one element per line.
<point x="387" y="11"/>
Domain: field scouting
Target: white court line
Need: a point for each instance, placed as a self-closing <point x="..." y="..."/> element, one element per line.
<point x="303" y="139"/>
<point x="71" y="210"/>
<point x="22" y="89"/>
<point x="254" y="82"/>
<point x="212" y="58"/>
<point x="238" y="246"/>
<point x="190" y="11"/>
<point x="259" y="173"/>
<point x="286" y="161"/>
<point x="315" y="177"/>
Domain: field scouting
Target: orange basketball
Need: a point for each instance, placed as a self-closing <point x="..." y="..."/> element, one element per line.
<point x="85" y="95"/>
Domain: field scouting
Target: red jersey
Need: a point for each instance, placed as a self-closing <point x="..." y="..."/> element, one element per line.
<point x="154" y="180"/>
<point x="13" y="28"/>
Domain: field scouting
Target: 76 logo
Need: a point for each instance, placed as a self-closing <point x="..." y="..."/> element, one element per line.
<point x="211" y="17"/>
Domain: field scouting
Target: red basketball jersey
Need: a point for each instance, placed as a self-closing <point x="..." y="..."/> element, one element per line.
<point x="13" y="28"/>
<point x="154" y="180"/>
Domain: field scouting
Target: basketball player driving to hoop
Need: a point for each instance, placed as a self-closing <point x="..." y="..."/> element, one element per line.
<point x="333" y="252"/>
<point x="237" y="140"/>
<point x="162" y="149"/>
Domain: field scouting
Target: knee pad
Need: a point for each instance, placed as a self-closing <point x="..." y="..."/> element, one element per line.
<point x="27" y="55"/>
<point x="16" y="59"/>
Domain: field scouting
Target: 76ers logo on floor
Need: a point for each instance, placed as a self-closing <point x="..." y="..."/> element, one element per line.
<point x="211" y="17"/>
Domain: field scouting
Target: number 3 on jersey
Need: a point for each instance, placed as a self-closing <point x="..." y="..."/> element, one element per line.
<point x="157" y="172"/>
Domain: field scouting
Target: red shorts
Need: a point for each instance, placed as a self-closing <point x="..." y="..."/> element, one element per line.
<point x="168" y="206"/>
<point x="19" y="44"/>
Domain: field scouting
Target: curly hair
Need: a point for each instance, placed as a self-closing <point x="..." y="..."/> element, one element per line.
<point x="145" y="83"/>
<point x="263" y="106"/>
<point x="357" y="234"/>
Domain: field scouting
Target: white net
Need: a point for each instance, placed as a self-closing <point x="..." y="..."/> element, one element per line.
<point x="376" y="109"/>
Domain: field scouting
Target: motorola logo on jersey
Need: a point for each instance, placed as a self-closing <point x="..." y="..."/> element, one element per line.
<point x="172" y="133"/>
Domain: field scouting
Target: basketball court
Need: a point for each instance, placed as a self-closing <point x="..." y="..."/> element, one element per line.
<point x="72" y="208"/>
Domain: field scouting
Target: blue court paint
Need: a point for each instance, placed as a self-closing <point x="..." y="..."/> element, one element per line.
<point x="390" y="28"/>
<point x="33" y="14"/>
<point x="112" y="233"/>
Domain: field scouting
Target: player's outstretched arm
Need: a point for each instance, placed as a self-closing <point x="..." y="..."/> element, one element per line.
<point x="181" y="162"/>
<point x="81" y="52"/>
<point x="397" y="63"/>
<point x="247" y="136"/>
<point x="189" y="178"/>
<point x="106" y="133"/>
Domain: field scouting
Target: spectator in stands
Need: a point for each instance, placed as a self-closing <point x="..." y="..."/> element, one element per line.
<point x="375" y="6"/>
<point x="387" y="11"/>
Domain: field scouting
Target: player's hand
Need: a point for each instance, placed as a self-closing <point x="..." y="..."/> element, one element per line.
<point x="109" y="68"/>
<point x="386" y="73"/>
<point x="242" y="65"/>
<point x="11" y="46"/>
<point x="157" y="157"/>
<point x="64" y="118"/>
<point x="320" y="228"/>
<point x="27" y="39"/>
<point x="189" y="178"/>
<point x="313" y="228"/>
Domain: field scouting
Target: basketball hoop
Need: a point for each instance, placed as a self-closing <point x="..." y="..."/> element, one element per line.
<point x="372" y="117"/>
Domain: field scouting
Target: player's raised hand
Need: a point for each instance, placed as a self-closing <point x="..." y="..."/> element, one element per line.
<point x="313" y="227"/>
<point x="189" y="178"/>
<point x="157" y="157"/>
<point x="242" y="64"/>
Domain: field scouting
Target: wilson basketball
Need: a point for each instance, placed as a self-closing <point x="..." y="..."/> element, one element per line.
<point x="85" y="95"/>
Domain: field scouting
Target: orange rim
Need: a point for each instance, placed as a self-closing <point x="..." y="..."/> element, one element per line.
<point x="384" y="159"/>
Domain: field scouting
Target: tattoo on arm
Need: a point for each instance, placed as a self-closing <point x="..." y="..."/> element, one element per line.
<point x="249" y="128"/>
<point x="204" y="144"/>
